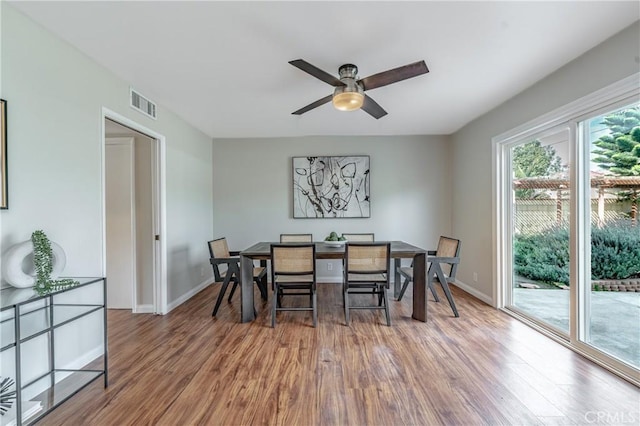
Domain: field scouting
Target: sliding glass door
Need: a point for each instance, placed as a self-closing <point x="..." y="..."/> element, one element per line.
<point x="568" y="227"/>
<point x="539" y="229"/>
<point x="611" y="296"/>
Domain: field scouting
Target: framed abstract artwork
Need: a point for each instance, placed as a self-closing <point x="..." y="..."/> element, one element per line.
<point x="4" y="197"/>
<point x="331" y="187"/>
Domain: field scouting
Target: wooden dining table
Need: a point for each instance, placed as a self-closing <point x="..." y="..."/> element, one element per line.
<point x="399" y="250"/>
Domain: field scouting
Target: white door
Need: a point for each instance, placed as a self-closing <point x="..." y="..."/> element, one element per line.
<point x="120" y="222"/>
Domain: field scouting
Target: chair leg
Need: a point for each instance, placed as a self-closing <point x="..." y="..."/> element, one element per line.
<point x="265" y="286"/>
<point x="447" y="292"/>
<point x="262" y="285"/>
<point x="314" y="301"/>
<point x="404" y="288"/>
<point x="274" y="304"/>
<point x="233" y="290"/>
<point x="434" y="292"/>
<point x="344" y="299"/>
<point x="346" y="305"/>
<point x="225" y="284"/>
<point x="386" y="305"/>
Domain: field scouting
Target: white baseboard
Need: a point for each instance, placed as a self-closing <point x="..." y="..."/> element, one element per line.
<point x="474" y="292"/>
<point x="85" y="359"/>
<point x="188" y="295"/>
<point x="144" y="309"/>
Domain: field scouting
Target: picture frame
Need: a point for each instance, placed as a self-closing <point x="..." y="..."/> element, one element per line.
<point x="334" y="187"/>
<point x="4" y="196"/>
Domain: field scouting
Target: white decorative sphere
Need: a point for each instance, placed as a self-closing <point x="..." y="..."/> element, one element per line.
<point x="13" y="262"/>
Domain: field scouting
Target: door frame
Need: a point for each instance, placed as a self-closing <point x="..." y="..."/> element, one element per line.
<point x="159" y="206"/>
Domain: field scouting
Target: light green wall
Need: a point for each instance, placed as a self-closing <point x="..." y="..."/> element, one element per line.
<point x="611" y="61"/>
<point x="55" y="97"/>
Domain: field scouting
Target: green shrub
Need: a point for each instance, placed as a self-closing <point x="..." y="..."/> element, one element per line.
<point x="544" y="256"/>
<point x="615" y="252"/>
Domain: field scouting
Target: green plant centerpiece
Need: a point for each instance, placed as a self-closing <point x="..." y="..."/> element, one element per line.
<point x="333" y="237"/>
<point x="43" y="263"/>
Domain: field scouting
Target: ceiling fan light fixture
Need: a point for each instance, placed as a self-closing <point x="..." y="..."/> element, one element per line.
<point x="348" y="101"/>
<point x="349" y="97"/>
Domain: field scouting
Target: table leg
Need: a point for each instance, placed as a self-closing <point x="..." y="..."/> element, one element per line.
<point x="397" y="280"/>
<point x="420" y="286"/>
<point x="247" y="312"/>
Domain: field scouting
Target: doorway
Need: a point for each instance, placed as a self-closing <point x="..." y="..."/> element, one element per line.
<point x="134" y="255"/>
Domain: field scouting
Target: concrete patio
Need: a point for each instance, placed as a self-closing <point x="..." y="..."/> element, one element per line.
<point x="615" y="318"/>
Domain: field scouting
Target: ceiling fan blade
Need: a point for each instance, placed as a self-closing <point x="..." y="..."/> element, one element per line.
<point x="372" y="108"/>
<point x="393" y="76"/>
<point x="316" y="72"/>
<point x="313" y="105"/>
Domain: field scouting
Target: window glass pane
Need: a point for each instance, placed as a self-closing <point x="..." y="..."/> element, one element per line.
<point x="540" y="229"/>
<point x="613" y="289"/>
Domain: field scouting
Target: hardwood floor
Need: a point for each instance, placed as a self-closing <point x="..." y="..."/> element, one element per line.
<point x="482" y="368"/>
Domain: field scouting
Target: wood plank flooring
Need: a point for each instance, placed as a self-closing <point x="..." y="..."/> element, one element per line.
<point x="484" y="368"/>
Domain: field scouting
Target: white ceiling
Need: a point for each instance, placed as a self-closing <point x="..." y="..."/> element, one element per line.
<point x="223" y="66"/>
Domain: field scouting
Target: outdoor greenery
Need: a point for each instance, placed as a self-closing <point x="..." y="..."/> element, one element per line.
<point x="619" y="150"/>
<point x="615" y="247"/>
<point x="544" y="256"/>
<point x="530" y="160"/>
<point x="615" y="252"/>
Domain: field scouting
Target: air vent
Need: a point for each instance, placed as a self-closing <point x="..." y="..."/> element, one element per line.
<point x="142" y="104"/>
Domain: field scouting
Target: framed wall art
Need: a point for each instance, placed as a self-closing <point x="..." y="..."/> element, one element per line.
<point x="4" y="197"/>
<point x="331" y="187"/>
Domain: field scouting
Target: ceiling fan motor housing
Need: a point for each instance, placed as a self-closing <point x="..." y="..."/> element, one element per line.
<point x="348" y="71"/>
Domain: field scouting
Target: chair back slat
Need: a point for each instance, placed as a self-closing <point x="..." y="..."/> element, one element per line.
<point x="448" y="247"/>
<point x="292" y="259"/>
<point x="296" y="238"/>
<point x="359" y="237"/>
<point x="219" y="248"/>
<point x="363" y="258"/>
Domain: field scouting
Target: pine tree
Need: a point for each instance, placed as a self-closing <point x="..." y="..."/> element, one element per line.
<point x="619" y="151"/>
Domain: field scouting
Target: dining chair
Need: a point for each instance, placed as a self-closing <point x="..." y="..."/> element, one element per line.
<point x="359" y="237"/>
<point x="293" y="273"/>
<point x="296" y="238"/>
<point x="444" y="265"/>
<point x="367" y="270"/>
<point x="221" y="256"/>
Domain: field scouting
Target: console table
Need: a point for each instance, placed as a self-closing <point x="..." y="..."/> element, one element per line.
<point x="28" y="322"/>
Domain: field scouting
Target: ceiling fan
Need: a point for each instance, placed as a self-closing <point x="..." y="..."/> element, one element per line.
<point x="348" y="94"/>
